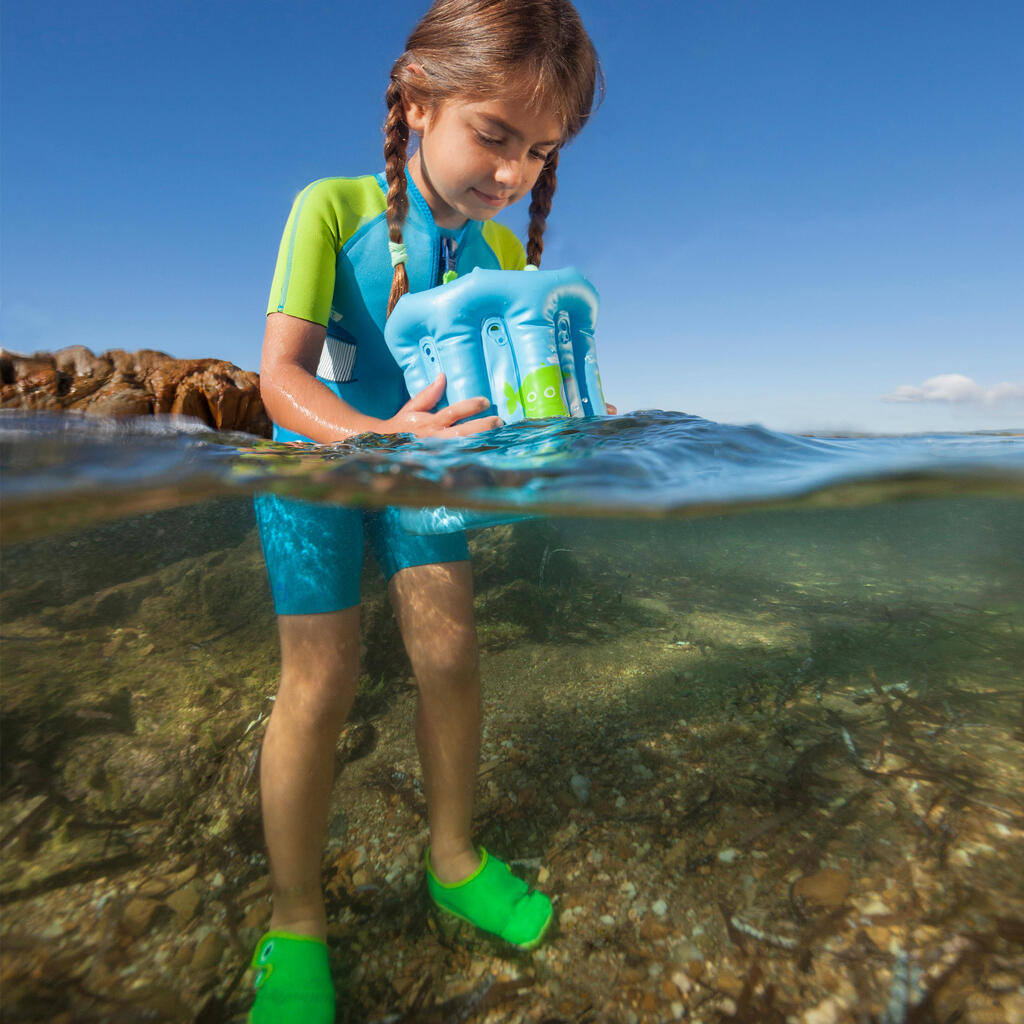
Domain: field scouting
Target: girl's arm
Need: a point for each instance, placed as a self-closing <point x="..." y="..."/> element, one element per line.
<point x="297" y="401"/>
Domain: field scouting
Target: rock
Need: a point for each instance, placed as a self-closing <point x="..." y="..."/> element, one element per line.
<point x="119" y="383"/>
<point x="183" y="876"/>
<point x="153" y="887"/>
<point x="872" y="906"/>
<point x="184" y="903"/>
<point x="581" y="787"/>
<point x="184" y="954"/>
<point x="138" y="916"/>
<point x="569" y="915"/>
<point x="208" y="952"/>
<point x="257" y="915"/>
<point x="682" y="982"/>
<point x="256" y="889"/>
<point x="827" y="888"/>
<point x="824" y="1013"/>
<point x="729" y="983"/>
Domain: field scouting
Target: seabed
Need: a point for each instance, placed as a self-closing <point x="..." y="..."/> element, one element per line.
<point x="769" y="767"/>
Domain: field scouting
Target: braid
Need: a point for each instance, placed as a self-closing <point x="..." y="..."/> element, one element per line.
<point x="396" y="138"/>
<point x="540" y="207"/>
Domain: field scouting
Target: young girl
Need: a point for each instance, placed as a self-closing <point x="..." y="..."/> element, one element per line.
<point x="492" y="89"/>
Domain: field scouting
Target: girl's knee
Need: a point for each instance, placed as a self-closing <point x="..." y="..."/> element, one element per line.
<point x="453" y="654"/>
<point x="317" y="703"/>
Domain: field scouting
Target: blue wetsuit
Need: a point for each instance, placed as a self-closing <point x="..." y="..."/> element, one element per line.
<point x="334" y="269"/>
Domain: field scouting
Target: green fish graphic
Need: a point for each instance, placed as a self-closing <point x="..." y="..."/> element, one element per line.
<point x="540" y="394"/>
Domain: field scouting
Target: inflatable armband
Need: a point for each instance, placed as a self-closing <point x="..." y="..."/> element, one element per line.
<point x="525" y="339"/>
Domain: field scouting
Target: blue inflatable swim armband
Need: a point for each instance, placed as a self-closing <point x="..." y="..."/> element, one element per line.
<point x="523" y="338"/>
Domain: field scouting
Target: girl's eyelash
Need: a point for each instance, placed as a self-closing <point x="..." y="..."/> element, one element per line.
<point x="489" y="140"/>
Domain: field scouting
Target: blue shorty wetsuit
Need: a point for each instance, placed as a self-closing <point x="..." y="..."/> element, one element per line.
<point x="334" y="268"/>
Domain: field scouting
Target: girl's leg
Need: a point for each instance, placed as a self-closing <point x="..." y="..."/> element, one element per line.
<point x="319" y="676"/>
<point x="434" y="606"/>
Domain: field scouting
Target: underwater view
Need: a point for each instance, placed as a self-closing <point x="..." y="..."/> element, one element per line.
<point x="753" y="717"/>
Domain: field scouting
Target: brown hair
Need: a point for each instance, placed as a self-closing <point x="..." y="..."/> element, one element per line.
<point x="475" y="49"/>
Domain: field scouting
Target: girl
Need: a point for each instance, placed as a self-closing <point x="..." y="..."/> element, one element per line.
<point x="492" y="89"/>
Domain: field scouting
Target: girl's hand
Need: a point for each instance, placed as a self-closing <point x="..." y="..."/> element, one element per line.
<point x="611" y="409"/>
<point x="417" y="415"/>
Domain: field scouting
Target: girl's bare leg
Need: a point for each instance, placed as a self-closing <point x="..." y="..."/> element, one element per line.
<point x="319" y="676"/>
<point x="434" y="605"/>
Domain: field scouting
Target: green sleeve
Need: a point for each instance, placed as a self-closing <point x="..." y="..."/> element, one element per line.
<point x="324" y="216"/>
<point x="503" y="242"/>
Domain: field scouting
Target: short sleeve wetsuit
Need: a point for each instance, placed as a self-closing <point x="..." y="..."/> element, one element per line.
<point x="334" y="269"/>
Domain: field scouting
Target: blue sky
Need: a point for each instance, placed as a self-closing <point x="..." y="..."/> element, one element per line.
<point x="807" y="215"/>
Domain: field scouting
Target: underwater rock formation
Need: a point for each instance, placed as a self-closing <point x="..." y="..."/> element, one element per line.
<point x="119" y="383"/>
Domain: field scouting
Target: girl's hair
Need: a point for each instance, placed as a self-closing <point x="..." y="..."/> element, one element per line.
<point x="475" y="50"/>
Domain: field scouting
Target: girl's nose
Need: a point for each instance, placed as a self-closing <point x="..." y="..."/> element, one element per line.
<point x="508" y="173"/>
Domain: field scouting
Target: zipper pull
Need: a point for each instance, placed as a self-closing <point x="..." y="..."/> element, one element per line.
<point x="448" y="246"/>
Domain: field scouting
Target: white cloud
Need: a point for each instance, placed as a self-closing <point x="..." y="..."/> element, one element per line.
<point x="956" y="388"/>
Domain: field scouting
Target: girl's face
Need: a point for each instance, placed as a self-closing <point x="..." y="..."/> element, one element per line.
<point x="476" y="158"/>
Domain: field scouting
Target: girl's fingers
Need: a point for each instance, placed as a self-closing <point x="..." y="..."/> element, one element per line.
<point x="463" y="409"/>
<point x="474" y="427"/>
<point x="425" y="400"/>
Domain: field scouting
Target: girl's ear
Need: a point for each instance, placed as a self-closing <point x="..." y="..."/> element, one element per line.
<point x="416" y="114"/>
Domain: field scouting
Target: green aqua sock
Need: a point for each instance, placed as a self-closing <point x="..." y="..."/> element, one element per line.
<point x="293" y="981"/>
<point x="492" y="898"/>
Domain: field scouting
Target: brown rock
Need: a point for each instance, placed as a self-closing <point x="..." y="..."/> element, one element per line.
<point x="138" y="916"/>
<point x="184" y="954"/>
<point x="152" y="887"/>
<point x="184" y="903"/>
<point x="257" y="915"/>
<point x="260" y="887"/>
<point x="827" y="888"/>
<point x="208" y="952"/>
<point x="183" y="876"/>
<point x="120" y="383"/>
<point x="729" y="984"/>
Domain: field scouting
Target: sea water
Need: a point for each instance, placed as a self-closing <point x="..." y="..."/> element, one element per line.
<point x="754" y="717"/>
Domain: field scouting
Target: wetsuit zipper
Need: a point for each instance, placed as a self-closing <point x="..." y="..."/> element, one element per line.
<point x="446" y="258"/>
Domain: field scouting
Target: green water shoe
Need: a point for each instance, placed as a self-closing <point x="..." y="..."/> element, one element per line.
<point x="293" y="981"/>
<point x="492" y="898"/>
